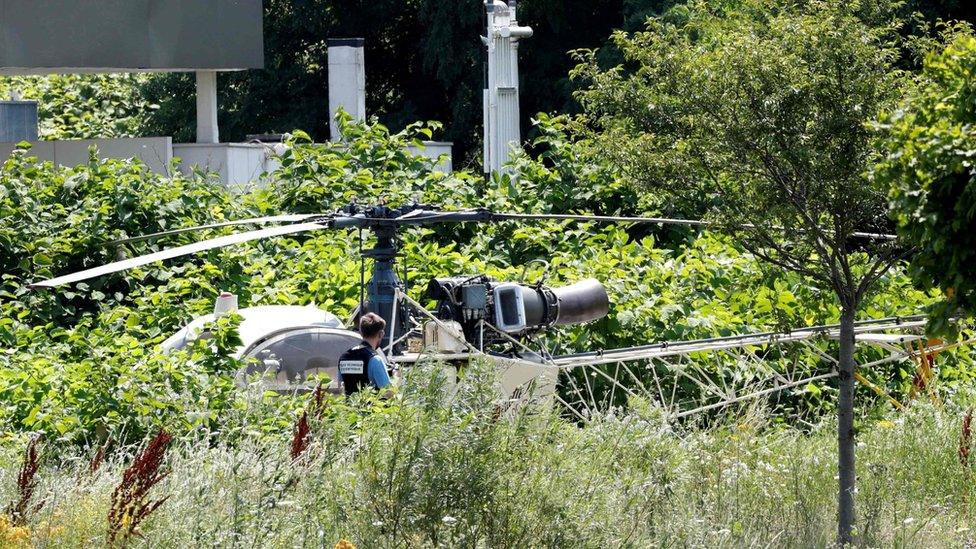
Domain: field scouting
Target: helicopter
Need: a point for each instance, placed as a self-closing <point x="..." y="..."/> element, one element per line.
<point x="291" y="348"/>
<point x="475" y="315"/>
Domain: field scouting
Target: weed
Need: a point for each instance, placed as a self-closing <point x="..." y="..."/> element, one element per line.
<point x="318" y="405"/>
<point x="965" y="438"/>
<point x="300" y="438"/>
<point x="435" y="468"/>
<point x="130" y="505"/>
<point x="20" y="510"/>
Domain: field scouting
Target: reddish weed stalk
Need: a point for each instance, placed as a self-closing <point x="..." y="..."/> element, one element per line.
<point x="99" y="458"/>
<point x="316" y="408"/>
<point x="21" y="509"/>
<point x="299" y="440"/>
<point x="130" y="505"/>
<point x="965" y="438"/>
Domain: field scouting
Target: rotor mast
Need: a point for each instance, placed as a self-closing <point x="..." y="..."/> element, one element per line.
<point x="384" y="282"/>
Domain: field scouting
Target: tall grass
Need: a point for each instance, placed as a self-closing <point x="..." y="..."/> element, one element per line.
<point x="433" y="468"/>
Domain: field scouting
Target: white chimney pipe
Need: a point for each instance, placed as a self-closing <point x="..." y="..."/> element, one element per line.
<point x="347" y="80"/>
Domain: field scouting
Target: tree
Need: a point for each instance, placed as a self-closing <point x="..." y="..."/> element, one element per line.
<point x="755" y="113"/>
<point x="931" y="171"/>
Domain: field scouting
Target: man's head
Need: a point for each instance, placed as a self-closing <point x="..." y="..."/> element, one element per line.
<point x="372" y="327"/>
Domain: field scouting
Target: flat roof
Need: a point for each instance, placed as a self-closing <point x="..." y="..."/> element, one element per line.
<point x="69" y="36"/>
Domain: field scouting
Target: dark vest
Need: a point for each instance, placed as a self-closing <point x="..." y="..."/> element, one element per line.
<point x="354" y="367"/>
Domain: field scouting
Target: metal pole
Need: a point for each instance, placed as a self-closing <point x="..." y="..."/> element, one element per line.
<point x="362" y="273"/>
<point x="396" y="302"/>
<point x="384" y="282"/>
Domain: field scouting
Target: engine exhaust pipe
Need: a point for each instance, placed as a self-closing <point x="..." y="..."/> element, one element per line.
<point x="519" y="308"/>
<point x="583" y="301"/>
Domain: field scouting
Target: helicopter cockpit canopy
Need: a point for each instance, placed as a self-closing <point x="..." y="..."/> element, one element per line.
<point x="290" y="346"/>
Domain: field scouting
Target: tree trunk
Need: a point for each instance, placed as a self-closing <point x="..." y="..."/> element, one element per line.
<point x="845" y="430"/>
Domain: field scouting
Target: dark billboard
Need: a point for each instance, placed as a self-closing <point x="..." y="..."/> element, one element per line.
<point x="49" y="36"/>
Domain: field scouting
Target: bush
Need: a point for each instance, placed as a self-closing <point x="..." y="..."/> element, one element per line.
<point x="82" y="361"/>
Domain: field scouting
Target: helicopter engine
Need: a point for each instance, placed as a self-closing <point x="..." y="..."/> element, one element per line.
<point x="514" y="308"/>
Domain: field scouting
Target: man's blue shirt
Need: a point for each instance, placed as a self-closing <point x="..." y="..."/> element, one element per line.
<point x="378" y="376"/>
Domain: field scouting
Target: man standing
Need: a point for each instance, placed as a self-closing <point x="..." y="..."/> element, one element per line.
<point x="361" y="365"/>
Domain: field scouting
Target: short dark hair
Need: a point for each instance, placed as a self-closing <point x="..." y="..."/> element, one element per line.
<point x="371" y="324"/>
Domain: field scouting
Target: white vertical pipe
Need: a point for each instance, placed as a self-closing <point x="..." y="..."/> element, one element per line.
<point x="207" y="131"/>
<point x="502" y="131"/>
<point x="347" y="80"/>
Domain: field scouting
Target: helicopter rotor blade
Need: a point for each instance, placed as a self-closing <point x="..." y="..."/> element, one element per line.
<point x="602" y="218"/>
<point x="661" y="220"/>
<point x="219" y="242"/>
<point x="289" y="218"/>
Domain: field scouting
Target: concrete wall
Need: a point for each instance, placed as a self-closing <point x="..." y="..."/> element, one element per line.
<point x="436" y="150"/>
<point x="155" y="152"/>
<point x="51" y="36"/>
<point x="235" y="164"/>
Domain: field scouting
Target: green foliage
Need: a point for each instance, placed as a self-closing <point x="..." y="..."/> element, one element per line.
<point x="368" y="165"/>
<point x="430" y="466"/>
<point x="59" y="219"/>
<point x="755" y="113"/>
<point x="83" y="361"/>
<point x="713" y="99"/>
<point x="567" y="175"/>
<point x="104" y="383"/>
<point x="931" y="174"/>
<point x="84" y="106"/>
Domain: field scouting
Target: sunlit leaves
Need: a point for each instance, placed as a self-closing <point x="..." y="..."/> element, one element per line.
<point x="930" y="173"/>
<point x="84" y="106"/>
<point x="755" y="113"/>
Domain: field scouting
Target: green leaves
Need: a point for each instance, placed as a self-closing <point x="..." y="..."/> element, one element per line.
<point x="369" y="164"/>
<point x="929" y="172"/>
<point x="86" y="359"/>
<point x="755" y="113"/>
<point x="84" y="106"/>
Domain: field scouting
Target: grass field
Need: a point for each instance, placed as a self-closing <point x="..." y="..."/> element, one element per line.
<point x="427" y="470"/>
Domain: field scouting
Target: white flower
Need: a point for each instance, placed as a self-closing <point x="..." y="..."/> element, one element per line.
<point x="449" y="520"/>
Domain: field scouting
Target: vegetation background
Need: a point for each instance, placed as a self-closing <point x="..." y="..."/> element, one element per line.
<point x="82" y="367"/>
